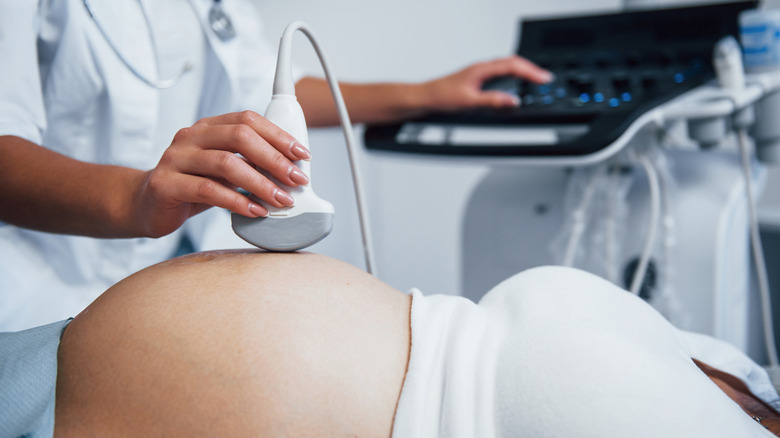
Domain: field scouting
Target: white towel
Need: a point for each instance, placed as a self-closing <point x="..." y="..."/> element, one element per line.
<point x="557" y="352"/>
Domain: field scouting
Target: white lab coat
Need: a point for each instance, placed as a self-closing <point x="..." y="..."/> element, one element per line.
<point x="62" y="86"/>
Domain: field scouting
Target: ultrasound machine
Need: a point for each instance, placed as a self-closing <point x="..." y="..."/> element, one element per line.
<point x="610" y="70"/>
<point x="632" y="164"/>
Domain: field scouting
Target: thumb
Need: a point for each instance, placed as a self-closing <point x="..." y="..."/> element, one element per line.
<point x="497" y="99"/>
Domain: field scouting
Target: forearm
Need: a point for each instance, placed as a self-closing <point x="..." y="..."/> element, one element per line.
<point x="387" y="102"/>
<point x="43" y="190"/>
<point x="366" y="103"/>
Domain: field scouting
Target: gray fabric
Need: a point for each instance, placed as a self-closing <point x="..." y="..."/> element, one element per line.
<point x="28" y="379"/>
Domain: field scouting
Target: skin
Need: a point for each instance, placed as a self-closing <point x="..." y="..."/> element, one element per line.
<point x="220" y="345"/>
<point x="739" y="392"/>
<point x="200" y="168"/>
<point x="453" y="92"/>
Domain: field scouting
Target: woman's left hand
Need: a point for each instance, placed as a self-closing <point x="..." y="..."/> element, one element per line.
<point x="393" y="101"/>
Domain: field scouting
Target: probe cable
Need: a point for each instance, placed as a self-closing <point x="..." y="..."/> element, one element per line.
<point x="758" y="252"/>
<point x="652" y="229"/>
<point x="286" y="87"/>
<point x="579" y="218"/>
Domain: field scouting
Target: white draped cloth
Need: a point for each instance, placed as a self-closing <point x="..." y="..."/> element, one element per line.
<point x="557" y="352"/>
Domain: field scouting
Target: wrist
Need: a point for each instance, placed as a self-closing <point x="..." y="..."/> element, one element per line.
<point x="425" y="95"/>
<point x="125" y="208"/>
<point x="416" y="99"/>
<point x="435" y="95"/>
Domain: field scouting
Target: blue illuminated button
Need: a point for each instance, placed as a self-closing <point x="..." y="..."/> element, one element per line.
<point x="614" y="102"/>
<point x="584" y="98"/>
<point x="679" y="78"/>
<point x="560" y="92"/>
<point x="598" y="97"/>
<point x="626" y="97"/>
<point x="547" y="99"/>
<point x="544" y="89"/>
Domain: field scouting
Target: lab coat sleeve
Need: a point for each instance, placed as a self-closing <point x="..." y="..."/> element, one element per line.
<point x="21" y="99"/>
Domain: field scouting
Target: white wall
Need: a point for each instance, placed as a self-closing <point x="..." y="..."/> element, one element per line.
<point x="416" y="205"/>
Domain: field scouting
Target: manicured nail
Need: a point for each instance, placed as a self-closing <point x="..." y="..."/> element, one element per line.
<point x="547" y="76"/>
<point x="297" y="176"/>
<point x="300" y="152"/>
<point x="283" y="197"/>
<point x="257" y="210"/>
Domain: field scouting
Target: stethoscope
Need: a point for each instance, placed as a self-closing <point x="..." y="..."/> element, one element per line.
<point x="219" y="22"/>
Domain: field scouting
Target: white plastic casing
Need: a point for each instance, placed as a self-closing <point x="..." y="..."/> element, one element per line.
<point x="285" y="112"/>
<point x="727" y="60"/>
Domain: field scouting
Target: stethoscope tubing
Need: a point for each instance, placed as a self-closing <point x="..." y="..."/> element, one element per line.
<point x="218" y="19"/>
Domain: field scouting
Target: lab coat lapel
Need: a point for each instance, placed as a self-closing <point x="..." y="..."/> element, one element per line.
<point x="131" y="104"/>
<point x="217" y="97"/>
<point x="128" y="30"/>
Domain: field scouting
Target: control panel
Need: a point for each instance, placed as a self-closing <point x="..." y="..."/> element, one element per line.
<point x="609" y="70"/>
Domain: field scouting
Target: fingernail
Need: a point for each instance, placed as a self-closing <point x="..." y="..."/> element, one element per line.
<point x="283" y="197"/>
<point x="257" y="210"/>
<point x="548" y="76"/>
<point x="300" y="152"/>
<point x="514" y="100"/>
<point x="297" y="176"/>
